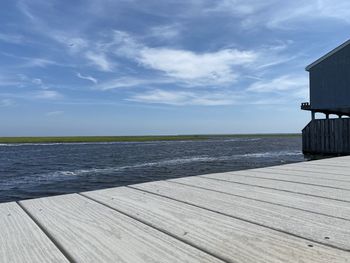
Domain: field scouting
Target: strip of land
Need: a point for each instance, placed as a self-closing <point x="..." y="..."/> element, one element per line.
<point x="76" y="139"/>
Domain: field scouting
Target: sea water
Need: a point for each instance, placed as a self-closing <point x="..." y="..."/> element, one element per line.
<point x="36" y="170"/>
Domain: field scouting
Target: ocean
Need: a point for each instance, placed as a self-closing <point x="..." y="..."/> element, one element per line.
<point x="38" y="170"/>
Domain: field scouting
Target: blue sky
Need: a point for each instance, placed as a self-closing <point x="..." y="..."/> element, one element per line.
<point x="133" y="67"/>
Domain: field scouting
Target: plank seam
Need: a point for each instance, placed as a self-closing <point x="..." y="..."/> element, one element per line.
<point x="242" y="219"/>
<point x="326" y="164"/>
<point x="158" y="229"/>
<point x="47" y="233"/>
<point x="259" y="200"/>
<point x="282" y="190"/>
<point x="293" y="169"/>
<point x="275" y="171"/>
<point x="282" y="180"/>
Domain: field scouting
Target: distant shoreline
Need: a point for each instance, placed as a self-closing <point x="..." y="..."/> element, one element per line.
<point x="77" y="139"/>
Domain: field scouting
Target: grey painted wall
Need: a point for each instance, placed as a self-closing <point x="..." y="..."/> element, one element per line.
<point x="330" y="82"/>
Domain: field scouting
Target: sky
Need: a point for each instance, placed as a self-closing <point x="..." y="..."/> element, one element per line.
<point x="135" y="67"/>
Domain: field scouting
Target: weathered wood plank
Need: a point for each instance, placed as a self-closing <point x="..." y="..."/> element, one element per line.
<point x="313" y="204"/>
<point x="91" y="232"/>
<point x="307" y="225"/>
<point x="315" y="168"/>
<point x="320" y="191"/>
<point x="21" y="240"/>
<point x="330" y="165"/>
<point x="229" y="238"/>
<point x="292" y="178"/>
<point x="306" y="174"/>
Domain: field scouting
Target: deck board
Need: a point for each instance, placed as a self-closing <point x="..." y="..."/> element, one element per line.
<point x="311" y="226"/>
<point x="295" y="179"/>
<point x="231" y="239"/>
<point x="314" y="190"/>
<point x="316" y="168"/>
<point x="289" y="213"/>
<point x="21" y="240"/>
<point x="313" y="204"/>
<point x="91" y="232"/>
<point x="308" y="174"/>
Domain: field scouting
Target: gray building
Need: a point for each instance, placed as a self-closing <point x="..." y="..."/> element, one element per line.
<point x="330" y="82"/>
<point x="329" y="94"/>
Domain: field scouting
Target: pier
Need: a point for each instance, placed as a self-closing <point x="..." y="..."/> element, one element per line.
<point x="296" y="212"/>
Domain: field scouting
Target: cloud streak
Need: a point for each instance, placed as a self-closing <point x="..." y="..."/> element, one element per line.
<point x="92" y="79"/>
<point x="6" y="102"/>
<point x="180" y="98"/>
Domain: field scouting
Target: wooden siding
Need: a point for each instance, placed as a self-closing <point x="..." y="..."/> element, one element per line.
<point x="327" y="136"/>
<point x="330" y="82"/>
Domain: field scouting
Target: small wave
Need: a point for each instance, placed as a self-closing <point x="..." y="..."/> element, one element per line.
<point x="176" y="161"/>
<point x="57" y="176"/>
<point x="272" y="154"/>
<point x="80" y="172"/>
<point x="242" y="139"/>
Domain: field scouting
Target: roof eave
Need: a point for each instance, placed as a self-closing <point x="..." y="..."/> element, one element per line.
<point x="327" y="55"/>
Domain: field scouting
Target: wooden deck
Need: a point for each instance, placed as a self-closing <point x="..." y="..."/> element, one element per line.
<point x="289" y="213"/>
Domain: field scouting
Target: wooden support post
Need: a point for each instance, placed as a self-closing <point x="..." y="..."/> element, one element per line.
<point x="327" y="116"/>
<point x="312" y="115"/>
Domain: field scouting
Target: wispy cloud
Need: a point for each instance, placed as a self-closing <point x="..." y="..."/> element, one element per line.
<point x="29" y="62"/>
<point x="6" y="102"/>
<point x="9" y="81"/>
<point x="47" y="94"/>
<point x="166" y="32"/>
<point x="11" y="38"/>
<point x="54" y="113"/>
<point x="37" y="81"/>
<point x="100" y="60"/>
<point x="239" y="8"/>
<point x="291" y="85"/>
<point x="179" y="98"/>
<point x="184" y="65"/>
<point x="297" y="12"/>
<point x="189" y="67"/>
<point x="92" y="79"/>
<point x="129" y="82"/>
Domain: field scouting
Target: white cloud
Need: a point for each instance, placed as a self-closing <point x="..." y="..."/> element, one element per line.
<point x="100" y="60"/>
<point x="19" y="80"/>
<point x="273" y="14"/>
<point x="128" y="82"/>
<point x="167" y="32"/>
<point x="54" y="113"/>
<point x="37" y="81"/>
<point x="47" y="94"/>
<point x="39" y="62"/>
<point x="92" y="79"/>
<point x="124" y="45"/>
<point x="290" y="85"/>
<point x="294" y="12"/>
<point x="11" y="38"/>
<point x="179" y="98"/>
<point x="202" y="68"/>
<point x="238" y="7"/>
<point x="6" y="102"/>
<point x="186" y="66"/>
<point x="74" y="44"/>
<point x="9" y="81"/>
